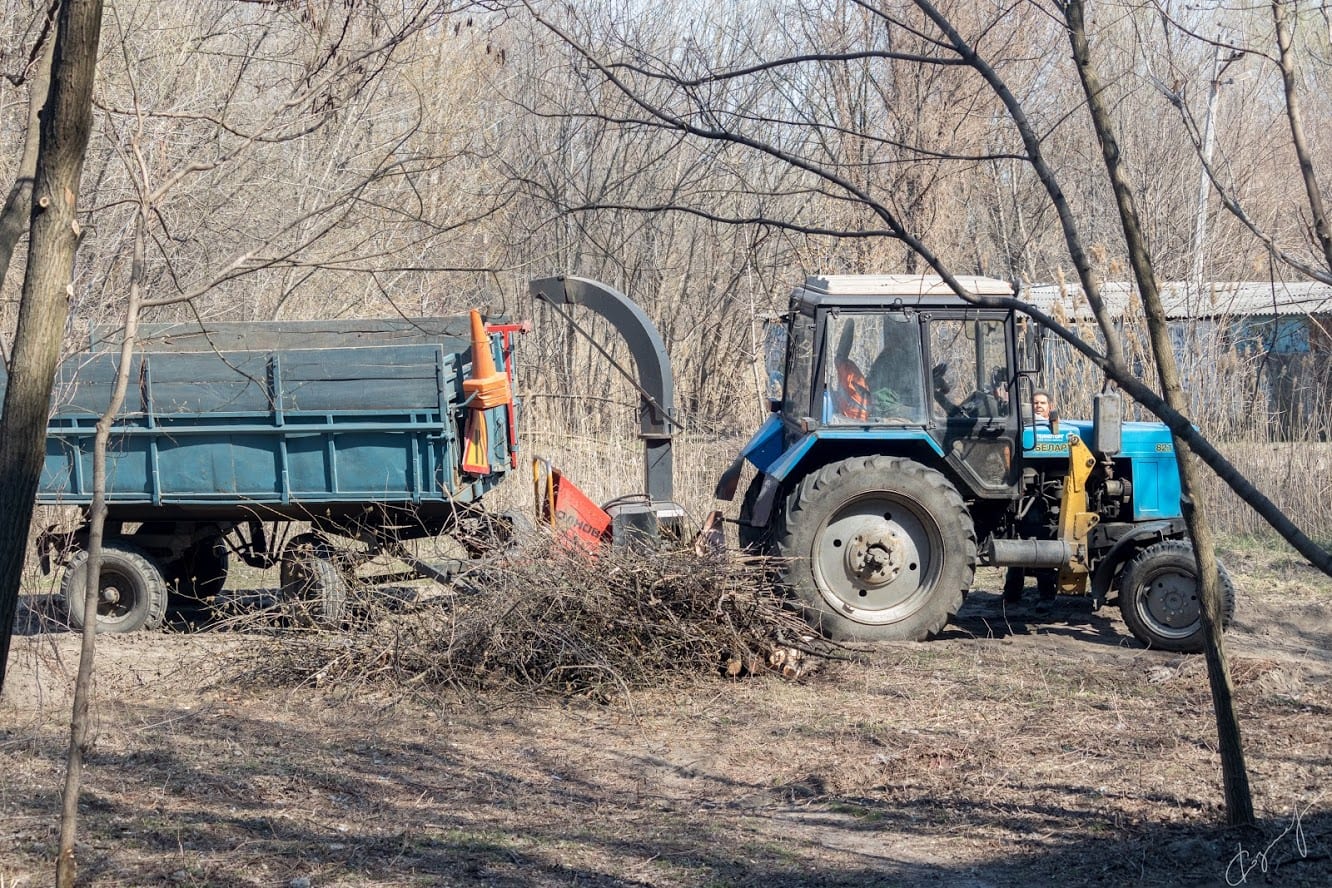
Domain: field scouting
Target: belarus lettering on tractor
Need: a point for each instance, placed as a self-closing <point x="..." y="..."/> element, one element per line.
<point x="902" y="453"/>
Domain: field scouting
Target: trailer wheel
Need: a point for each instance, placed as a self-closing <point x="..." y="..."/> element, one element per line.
<point x="754" y="540"/>
<point x="314" y="591"/>
<point x="1159" y="597"/>
<point x="877" y="548"/>
<point x="132" y="593"/>
<point x="201" y="572"/>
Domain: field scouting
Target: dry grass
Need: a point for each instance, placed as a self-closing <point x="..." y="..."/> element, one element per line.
<point x="1296" y="475"/>
<point x="1003" y="754"/>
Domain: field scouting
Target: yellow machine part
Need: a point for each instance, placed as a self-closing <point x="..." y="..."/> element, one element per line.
<point x="1075" y="522"/>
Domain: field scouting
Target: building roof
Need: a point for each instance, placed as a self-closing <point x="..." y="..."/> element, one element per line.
<point x="1182" y="301"/>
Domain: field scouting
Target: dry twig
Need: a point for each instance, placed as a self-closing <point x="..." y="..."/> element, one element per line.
<point x="554" y="621"/>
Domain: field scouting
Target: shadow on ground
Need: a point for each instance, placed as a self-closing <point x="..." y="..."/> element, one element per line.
<point x="986" y="615"/>
<point x="206" y="796"/>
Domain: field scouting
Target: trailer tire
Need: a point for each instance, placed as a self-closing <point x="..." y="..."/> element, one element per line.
<point x="132" y="594"/>
<point x="201" y="572"/>
<point x="314" y="590"/>
<point x="877" y="548"/>
<point x="1159" y="597"/>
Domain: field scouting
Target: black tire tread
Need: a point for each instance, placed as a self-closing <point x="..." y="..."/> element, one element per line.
<point x="150" y="609"/>
<point x="1129" y="579"/>
<point x="949" y="513"/>
<point x="313" y="588"/>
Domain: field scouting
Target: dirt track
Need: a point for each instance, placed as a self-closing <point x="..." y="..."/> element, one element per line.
<point x="1006" y="753"/>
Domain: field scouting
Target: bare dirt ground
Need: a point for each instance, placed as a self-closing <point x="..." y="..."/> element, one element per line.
<point x="1006" y="753"/>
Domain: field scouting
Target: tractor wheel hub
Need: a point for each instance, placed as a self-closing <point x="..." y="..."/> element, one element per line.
<point x="875" y="556"/>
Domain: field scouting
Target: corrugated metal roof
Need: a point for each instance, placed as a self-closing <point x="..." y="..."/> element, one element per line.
<point x="1222" y="299"/>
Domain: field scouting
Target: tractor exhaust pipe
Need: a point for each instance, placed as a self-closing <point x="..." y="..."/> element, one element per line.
<point x="1028" y="553"/>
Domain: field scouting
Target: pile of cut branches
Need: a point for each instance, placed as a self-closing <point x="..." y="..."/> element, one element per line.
<point x="555" y="621"/>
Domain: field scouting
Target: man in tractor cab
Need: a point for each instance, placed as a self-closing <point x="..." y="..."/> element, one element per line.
<point x="1041" y="411"/>
<point x="851" y="397"/>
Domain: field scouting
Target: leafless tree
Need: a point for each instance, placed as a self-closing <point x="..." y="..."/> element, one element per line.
<point x="65" y="123"/>
<point x="1306" y="248"/>
<point x="694" y="95"/>
<point x="1239" y="800"/>
<point x="36" y="73"/>
<point x="55" y="230"/>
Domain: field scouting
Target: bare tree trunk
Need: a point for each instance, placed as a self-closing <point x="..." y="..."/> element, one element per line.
<point x="18" y="205"/>
<point x="47" y="283"/>
<point x="1235" y="777"/>
<point x="1322" y="231"/>
<point x="78" y="739"/>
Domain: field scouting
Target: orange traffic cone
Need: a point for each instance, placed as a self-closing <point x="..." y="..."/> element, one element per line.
<point x="487" y="387"/>
<point x="476" y="444"/>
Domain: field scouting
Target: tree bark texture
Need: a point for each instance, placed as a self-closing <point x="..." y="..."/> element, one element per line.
<point x="47" y="287"/>
<point x="18" y="205"/>
<point x="47" y="284"/>
<point x="1239" y="801"/>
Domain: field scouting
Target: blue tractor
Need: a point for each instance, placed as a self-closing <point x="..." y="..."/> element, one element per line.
<point x="902" y="453"/>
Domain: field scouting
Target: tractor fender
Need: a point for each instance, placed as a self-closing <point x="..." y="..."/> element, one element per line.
<point x="1140" y="535"/>
<point x="874" y="440"/>
<point x="764" y="447"/>
<point x="792" y="463"/>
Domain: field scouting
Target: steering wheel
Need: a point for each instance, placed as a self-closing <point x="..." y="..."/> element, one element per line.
<point x="978" y="404"/>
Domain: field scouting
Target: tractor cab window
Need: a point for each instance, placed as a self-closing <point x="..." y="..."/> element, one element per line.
<point x="774" y="357"/>
<point x="1030" y="346"/>
<point x="872" y="372"/>
<point x="799" y="375"/>
<point x="971" y="375"/>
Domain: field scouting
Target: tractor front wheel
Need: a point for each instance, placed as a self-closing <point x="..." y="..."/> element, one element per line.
<point x="1159" y="596"/>
<point x="877" y="548"/>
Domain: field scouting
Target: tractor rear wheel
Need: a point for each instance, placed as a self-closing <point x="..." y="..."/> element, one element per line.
<point x="1159" y="597"/>
<point x="877" y="548"/>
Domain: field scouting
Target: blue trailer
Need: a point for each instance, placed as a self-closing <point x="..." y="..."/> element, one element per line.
<point x="365" y="429"/>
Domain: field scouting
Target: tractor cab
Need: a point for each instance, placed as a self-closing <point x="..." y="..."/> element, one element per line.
<point x="864" y="362"/>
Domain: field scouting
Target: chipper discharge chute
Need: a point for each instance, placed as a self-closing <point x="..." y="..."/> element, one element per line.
<point x="652" y="514"/>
